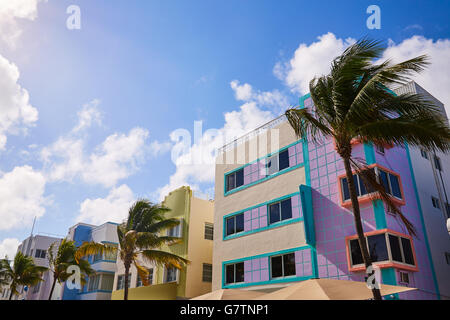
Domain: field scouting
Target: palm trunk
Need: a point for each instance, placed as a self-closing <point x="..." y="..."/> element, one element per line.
<point x="125" y="289"/>
<point x="11" y="295"/>
<point x="358" y="223"/>
<point x="53" y="288"/>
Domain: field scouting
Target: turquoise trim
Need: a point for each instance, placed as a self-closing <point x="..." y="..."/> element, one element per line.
<point x="308" y="214"/>
<point x="303" y="98"/>
<point x="95" y="291"/>
<point x="269" y="226"/>
<point x="271" y="281"/>
<point x="416" y="193"/>
<point x="109" y="242"/>
<point x="98" y="261"/>
<point x="388" y="276"/>
<point x="226" y="193"/>
<point x="378" y="206"/>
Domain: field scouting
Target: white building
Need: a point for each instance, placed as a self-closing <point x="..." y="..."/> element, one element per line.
<point x="432" y="175"/>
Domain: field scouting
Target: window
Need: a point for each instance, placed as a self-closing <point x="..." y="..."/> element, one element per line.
<point x="277" y="162"/>
<point x="139" y="282"/>
<point x="435" y="202"/>
<point x="424" y="154"/>
<point x="175" y="231"/>
<point x="235" y="224"/>
<point x="390" y="182"/>
<point x="437" y="163"/>
<point x="209" y="231"/>
<point x="383" y="247"/>
<point x="98" y="257"/>
<point x="404" y="277"/>
<point x="37" y="287"/>
<point x="107" y="282"/>
<point x="234" y="180"/>
<point x="93" y="283"/>
<point x="283" y="265"/>
<point x="40" y="253"/>
<point x="171" y="274"/>
<point x="380" y="149"/>
<point x="207" y="272"/>
<point x="447" y="257"/>
<point x="121" y="281"/>
<point x="234" y="273"/>
<point x="111" y="256"/>
<point x="280" y="211"/>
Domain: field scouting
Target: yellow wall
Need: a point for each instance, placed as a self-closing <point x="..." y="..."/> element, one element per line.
<point x="165" y="291"/>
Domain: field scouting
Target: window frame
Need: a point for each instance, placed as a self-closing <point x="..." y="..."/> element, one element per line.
<point x="234" y="173"/>
<point x="390" y="262"/>
<point x="234" y="273"/>
<point x="369" y="195"/>
<point x="207" y="279"/>
<point x="234" y="217"/>
<point x="210" y="228"/>
<point x="283" y="276"/>
<point x="166" y="274"/>
<point x="424" y="154"/>
<point x="435" y="203"/>
<point x="280" y="211"/>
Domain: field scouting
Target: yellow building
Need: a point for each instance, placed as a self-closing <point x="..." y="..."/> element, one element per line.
<point x="196" y="230"/>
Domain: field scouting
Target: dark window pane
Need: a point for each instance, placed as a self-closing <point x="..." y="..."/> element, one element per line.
<point x="239" y="222"/>
<point x="289" y="264"/>
<point x="377" y="248"/>
<point x="395" y="248"/>
<point x="239" y="178"/>
<point x="363" y="188"/>
<point x="286" y="209"/>
<point x="230" y="226"/>
<point x="230" y="182"/>
<point x="277" y="270"/>
<point x="355" y="181"/>
<point x="355" y="252"/>
<point x="240" y="272"/>
<point x="284" y="160"/>
<point x="407" y="251"/>
<point x="274" y="211"/>
<point x="395" y="186"/>
<point x="229" y="270"/>
<point x="384" y="180"/>
<point x="345" y="191"/>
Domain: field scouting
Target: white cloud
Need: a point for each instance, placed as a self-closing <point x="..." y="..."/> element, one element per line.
<point x="11" y="12"/>
<point x="113" y="208"/>
<point x="16" y="112"/>
<point x="436" y="78"/>
<point x="88" y="115"/>
<point x="8" y="247"/>
<point x="197" y="164"/>
<point x="310" y="61"/>
<point x="116" y="158"/>
<point x="21" y="197"/>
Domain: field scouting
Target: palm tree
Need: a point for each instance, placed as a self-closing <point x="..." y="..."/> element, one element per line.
<point x="140" y="236"/>
<point x="353" y="103"/>
<point x="62" y="259"/>
<point x="23" y="272"/>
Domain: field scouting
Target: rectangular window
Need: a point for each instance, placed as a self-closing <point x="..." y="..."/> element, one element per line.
<point x="234" y="180"/>
<point x="235" y="224"/>
<point x="404" y="277"/>
<point x="40" y="253"/>
<point x="435" y="202"/>
<point x="424" y="154"/>
<point x="390" y="182"/>
<point x="283" y="265"/>
<point x="175" y="231"/>
<point x="383" y="247"/>
<point x="139" y="282"/>
<point x="107" y="282"/>
<point x="93" y="283"/>
<point x="121" y="281"/>
<point x="380" y="149"/>
<point x="283" y="160"/>
<point x="447" y="257"/>
<point x="437" y="163"/>
<point x="234" y="273"/>
<point x="207" y="272"/>
<point x="280" y="211"/>
<point x="277" y="162"/>
<point x="209" y="231"/>
<point x="171" y="274"/>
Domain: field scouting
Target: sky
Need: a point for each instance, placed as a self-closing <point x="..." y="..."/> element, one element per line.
<point x="95" y="117"/>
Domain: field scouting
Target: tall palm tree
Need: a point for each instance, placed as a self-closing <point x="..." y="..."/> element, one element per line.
<point x="353" y="103"/>
<point x="60" y="260"/>
<point x="140" y="236"/>
<point x="23" y="272"/>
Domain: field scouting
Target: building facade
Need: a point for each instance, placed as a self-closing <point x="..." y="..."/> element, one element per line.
<point x="282" y="214"/>
<point x="36" y="246"/>
<point x="98" y="286"/>
<point x="196" y="231"/>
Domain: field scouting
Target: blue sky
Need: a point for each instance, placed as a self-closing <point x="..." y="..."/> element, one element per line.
<point x="98" y="105"/>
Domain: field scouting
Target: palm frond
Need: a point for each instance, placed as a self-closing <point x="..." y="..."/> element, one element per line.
<point x="162" y="258"/>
